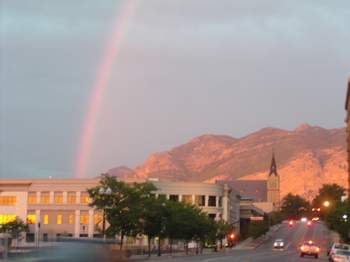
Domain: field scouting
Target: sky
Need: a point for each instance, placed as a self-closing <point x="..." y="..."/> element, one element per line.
<point x="180" y="69"/>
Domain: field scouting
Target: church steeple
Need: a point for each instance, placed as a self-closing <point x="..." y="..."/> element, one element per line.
<point x="273" y="185"/>
<point x="273" y="167"/>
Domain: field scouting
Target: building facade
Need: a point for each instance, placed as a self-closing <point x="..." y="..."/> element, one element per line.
<point x="347" y="120"/>
<point x="273" y="185"/>
<point x="57" y="207"/>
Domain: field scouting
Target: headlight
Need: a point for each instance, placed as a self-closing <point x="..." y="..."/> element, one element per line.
<point x="275" y="244"/>
<point x="281" y="244"/>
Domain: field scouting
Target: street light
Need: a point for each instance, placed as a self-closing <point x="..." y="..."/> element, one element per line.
<point x="326" y="203"/>
<point x="345" y="217"/>
<point x="106" y="192"/>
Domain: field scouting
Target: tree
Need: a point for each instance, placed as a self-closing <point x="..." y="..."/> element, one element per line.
<point x="294" y="206"/>
<point x="222" y="230"/>
<point x="153" y="216"/>
<point x="338" y="219"/>
<point x="14" y="228"/>
<point x="328" y="192"/>
<point x="122" y="206"/>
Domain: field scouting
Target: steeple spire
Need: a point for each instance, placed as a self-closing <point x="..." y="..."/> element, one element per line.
<point x="273" y="167"/>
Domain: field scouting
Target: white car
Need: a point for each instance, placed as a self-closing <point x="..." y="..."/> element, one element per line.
<point x="279" y="243"/>
<point x="338" y="246"/>
<point x="340" y="255"/>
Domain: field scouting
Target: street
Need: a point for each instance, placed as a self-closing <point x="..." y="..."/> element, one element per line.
<point x="293" y="238"/>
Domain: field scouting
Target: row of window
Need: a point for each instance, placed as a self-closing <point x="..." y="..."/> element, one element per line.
<point x="60" y="219"/>
<point x="199" y="200"/>
<point x="5" y="218"/>
<point x="57" y="198"/>
<point x="7" y="200"/>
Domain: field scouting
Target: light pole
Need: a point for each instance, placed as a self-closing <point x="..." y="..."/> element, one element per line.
<point x="104" y="192"/>
<point x="326" y="203"/>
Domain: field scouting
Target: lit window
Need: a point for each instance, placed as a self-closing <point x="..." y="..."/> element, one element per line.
<point x="200" y="200"/>
<point x="45" y="198"/>
<point x="6" y="218"/>
<point x="59" y="219"/>
<point x="71" y="198"/>
<point x="84" y="219"/>
<point x="46" y="219"/>
<point x="58" y="197"/>
<point x="7" y="200"/>
<point x="84" y="198"/>
<point x="97" y="218"/>
<point x="70" y="219"/>
<point x="187" y="199"/>
<point x="31" y="219"/>
<point x="32" y="198"/>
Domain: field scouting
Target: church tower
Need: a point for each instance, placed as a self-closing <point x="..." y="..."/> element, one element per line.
<point x="273" y="184"/>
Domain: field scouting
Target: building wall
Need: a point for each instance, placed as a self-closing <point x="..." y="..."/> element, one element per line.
<point x="45" y="203"/>
<point x="273" y="190"/>
<point x="347" y="120"/>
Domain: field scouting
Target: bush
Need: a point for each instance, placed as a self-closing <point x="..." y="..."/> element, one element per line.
<point x="257" y="228"/>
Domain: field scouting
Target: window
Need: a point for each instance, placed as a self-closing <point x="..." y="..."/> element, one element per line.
<point x="200" y="200"/>
<point x="220" y="201"/>
<point x="7" y="200"/>
<point x="45" y="198"/>
<point x="46" y="219"/>
<point x="58" y="198"/>
<point x="84" y="198"/>
<point x="174" y="198"/>
<point x="162" y="196"/>
<point x="187" y="199"/>
<point x="31" y="219"/>
<point x="5" y="218"/>
<point x="31" y="198"/>
<point x="212" y="201"/>
<point x="71" y="198"/>
<point x="70" y="219"/>
<point x="59" y="219"/>
<point x="84" y="219"/>
<point x="98" y="217"/>
<point x="212" y="216"/>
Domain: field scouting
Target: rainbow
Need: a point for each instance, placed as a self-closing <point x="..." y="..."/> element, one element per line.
<point x="109" y="56"/>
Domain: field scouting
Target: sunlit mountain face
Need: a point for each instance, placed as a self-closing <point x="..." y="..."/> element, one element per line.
<point x="307" y="157"/>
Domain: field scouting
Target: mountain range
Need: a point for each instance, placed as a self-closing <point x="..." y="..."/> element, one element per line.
<point x="307" y="157"/>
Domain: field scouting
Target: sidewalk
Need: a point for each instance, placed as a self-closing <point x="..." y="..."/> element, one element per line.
<point x="251" y="243"/>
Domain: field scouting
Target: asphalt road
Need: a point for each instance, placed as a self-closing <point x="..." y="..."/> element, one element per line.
<point x="293" y="238"/>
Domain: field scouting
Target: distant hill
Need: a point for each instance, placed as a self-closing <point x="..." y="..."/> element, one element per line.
<point x="306" y="157"/>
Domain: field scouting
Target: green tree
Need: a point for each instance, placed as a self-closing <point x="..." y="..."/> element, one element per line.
<point x="328" y="192"/>
<point x="338" y="219"/>
<point x="153" y="217"/>
<point x="222" y="230"/>
<point x="14" y="228"/>
<point x="294" y="206"/>
<point x="123" y="205"/>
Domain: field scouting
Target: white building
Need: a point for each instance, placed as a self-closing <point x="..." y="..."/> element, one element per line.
<point x="56" y="207"/>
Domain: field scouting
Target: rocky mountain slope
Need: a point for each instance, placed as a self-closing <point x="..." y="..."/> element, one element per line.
<point x="306" y="157"/>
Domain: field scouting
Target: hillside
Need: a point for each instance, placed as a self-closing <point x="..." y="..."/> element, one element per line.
<point x="306" y="157"/>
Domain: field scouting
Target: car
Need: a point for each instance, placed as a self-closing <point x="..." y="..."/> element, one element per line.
<point x="309" y="248"/>
<point x="337" y="246"/>
<point x="303" y="219"/>
<point x="340" y="255"/>
<point x="279" y="243"/>
<point x="291" y="223"/>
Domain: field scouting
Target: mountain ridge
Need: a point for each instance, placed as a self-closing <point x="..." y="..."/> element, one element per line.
<point x="307" y="153"/>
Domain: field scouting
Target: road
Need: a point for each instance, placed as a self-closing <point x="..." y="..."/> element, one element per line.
<point x="292" y="236"/>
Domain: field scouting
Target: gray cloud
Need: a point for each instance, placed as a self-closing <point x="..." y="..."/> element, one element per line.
<point x="184" y="68"/>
